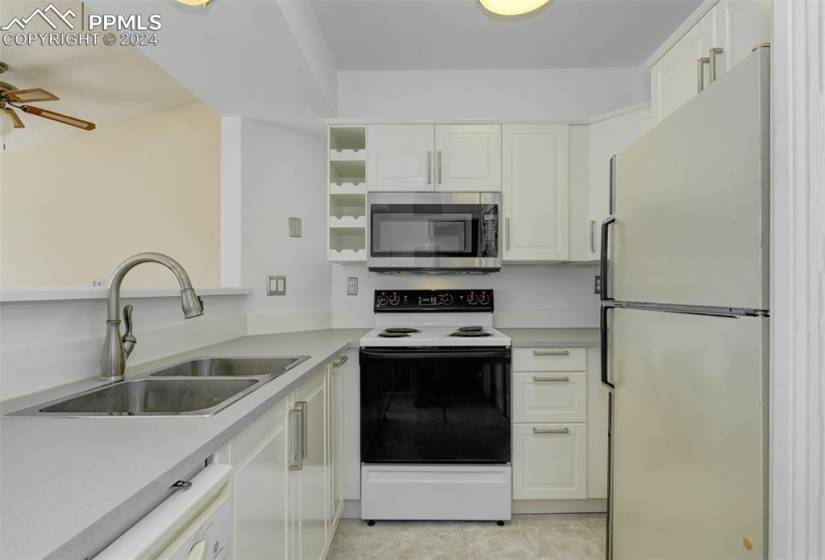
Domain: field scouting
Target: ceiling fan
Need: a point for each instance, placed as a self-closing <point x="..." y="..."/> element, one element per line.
<point x="12" y="98"/>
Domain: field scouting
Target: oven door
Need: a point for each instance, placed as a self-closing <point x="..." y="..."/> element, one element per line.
<point x="435" y="405"/>
<point x="434" y="231"/>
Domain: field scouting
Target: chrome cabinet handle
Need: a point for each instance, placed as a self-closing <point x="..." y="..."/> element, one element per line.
<point x="592" y="236"/>
<point x="341" y="361"/>
<point x="557" y="379"/>
<point x="551" y="352"/>
<point x="507" y="233"/>
<point x="301" y="407"/>
<point x="551" y="430"/>
<point x="438" y="163"/>
<point x="713" y="56"/>
<point x="700" y="73"/>
<point x="296" y="460"/>
<point x="429" y="167"/>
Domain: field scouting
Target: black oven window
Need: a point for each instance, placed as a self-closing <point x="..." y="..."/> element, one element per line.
<point x="420" y="230"/>
<point x="440" y="410"/>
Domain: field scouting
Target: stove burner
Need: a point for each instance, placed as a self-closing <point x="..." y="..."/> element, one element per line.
<point x="473" y="328"/>
<point x="470" y="334"/>
<point x="401" y="330"/>
<point x="387" y="334"/>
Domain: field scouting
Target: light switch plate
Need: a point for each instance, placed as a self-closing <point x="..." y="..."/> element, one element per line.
<point x="294" y="227"/>
<point x="352" y="286"/>
<point x="276" y="285"/>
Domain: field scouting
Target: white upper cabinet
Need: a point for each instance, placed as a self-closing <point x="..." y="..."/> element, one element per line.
<point x="535" y="192"/>
<point x="400" y="157"/>
<point x="468" y="157"/>
<point x="722" y="36"/>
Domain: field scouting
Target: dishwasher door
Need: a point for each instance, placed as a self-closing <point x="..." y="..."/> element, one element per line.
<point x="193" y="524"/>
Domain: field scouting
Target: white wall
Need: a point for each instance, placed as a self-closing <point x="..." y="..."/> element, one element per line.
<point x="283" y="175"/>
<point x="568" y="94"/>
<point x="49" y="343"/>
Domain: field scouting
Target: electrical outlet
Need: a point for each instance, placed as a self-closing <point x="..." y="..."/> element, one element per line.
<point x="597" y="284"/>
<point x="294" y="227"/>
<point x="352" y="286"/>
<point x="276" y="285"/>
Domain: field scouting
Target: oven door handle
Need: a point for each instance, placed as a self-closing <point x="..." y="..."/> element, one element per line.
<point x="408" y="354"/>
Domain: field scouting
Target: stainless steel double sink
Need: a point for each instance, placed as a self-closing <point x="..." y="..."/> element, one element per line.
<point x="198" y="387"/>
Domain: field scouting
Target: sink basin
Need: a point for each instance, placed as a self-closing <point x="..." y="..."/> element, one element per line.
<point x="153" y="397"/>
<point x="232" y="367"/>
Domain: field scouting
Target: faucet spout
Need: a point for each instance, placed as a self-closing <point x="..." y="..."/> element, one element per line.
<point x="114" y="354"/>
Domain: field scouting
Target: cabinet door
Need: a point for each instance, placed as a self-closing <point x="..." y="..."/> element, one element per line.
<point x="549" y="396"/>
<point x="312" y="478"/>
<point x="335" y="432"/>
<point x="468" y="157"/>
<point x="535" y="192"/>
<point x="597" y="419"/>
<point x="259" y="455"/>
<point x="740" y="26"/>
<point x="351" y="424"/>
<point x="607" y="138"/>
<point x="674" y="78"/>
<point x="400" y="157"/>
<point x="549" y="461"/>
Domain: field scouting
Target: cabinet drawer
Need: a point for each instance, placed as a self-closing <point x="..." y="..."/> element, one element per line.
<point x="549" y="461"/>
<point x="549" y="359"/>
<point x="550" y="397"/>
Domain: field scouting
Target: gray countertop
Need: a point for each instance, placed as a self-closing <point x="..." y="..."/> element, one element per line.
<point x="72" y="485"/>
<point x="553" y="338"/>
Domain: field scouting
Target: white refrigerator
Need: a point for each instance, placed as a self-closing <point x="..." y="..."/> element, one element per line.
<point x="684" y="324"/>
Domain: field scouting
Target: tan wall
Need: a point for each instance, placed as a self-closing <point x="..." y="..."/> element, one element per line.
<point x="72" y="208"/>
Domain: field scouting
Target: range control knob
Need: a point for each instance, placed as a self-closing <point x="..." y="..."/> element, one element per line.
<point x="445" y="299"/>
<point x="472" y="298"/>
<point x="382" y="300"/>
<point x="394" y="299"/>
<point x="484" y="298"/>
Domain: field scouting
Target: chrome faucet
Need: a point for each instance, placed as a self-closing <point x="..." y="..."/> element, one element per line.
<point x="116" y="348"/>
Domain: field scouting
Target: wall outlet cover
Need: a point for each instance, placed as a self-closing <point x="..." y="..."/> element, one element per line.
<point x="352" y="286"/>
<point x="597" y="284"/>
<point x="294" y="227"/>
<point x="276" y="285"/>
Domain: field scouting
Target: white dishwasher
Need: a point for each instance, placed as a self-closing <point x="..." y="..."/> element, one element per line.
<point x="194" y="523"/>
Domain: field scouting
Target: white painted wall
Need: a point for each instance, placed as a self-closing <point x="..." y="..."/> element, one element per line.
<point x="283" y="175"/>
<point x="554" y="94"/>
<point x="50" y="343"/>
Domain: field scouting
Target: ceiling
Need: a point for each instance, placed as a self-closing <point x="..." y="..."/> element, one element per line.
<point x="459" y="34"/>
<point x="97" y="83"/>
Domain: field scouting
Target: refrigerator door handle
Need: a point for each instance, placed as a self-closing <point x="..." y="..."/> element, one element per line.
<point x="603" y="291"/>
<point x="604" y="346"/>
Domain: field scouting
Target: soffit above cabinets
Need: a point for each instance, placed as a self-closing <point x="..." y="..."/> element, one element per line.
<point x="449" y="35"/>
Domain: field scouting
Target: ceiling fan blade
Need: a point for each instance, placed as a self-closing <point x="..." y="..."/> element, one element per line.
<point x="13" y="114"/>
<point x="65" y="119"/>
<point x="30" y="95"/>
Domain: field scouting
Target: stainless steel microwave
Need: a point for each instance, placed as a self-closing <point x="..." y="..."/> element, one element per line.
<point x="434" y="231"/>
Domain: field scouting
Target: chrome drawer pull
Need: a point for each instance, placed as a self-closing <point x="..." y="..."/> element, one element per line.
<point x="560" y="379"/>
<point x="551" y="430"/>
<point x="341" y="361"/>
<point x="551" y="352"/>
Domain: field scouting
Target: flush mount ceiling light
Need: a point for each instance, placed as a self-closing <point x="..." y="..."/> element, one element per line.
<point x="194" y="2"/>
<point x="511" y="7"/>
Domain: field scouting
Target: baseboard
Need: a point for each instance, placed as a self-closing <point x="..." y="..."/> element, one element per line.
<point x="287" y="321"/>
<point x="559" y="506"/>
<point x="352" y="508"/>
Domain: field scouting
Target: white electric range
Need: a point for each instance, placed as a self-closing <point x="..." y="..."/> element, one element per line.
<point x="435" y="408"/>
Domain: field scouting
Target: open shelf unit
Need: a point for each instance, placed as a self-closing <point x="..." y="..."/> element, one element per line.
<point x="347" y="193"/>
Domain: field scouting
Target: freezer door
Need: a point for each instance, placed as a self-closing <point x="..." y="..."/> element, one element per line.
<point x="691" y="200"/>
<point x="688" y="436"/>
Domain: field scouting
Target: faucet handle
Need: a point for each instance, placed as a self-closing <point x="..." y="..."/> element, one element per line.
<point x="128" y="338"/>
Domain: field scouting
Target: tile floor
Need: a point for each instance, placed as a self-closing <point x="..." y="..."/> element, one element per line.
<point x="545" y="537"/>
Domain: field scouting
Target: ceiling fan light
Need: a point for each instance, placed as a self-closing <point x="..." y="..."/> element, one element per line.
<point x="194" y="2"/>
<point x="512" y="7"/>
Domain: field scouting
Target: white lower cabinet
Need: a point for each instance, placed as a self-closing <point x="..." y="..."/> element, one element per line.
<point x="549" y="461"/>
<point x="560" y="415"/>
<point x="287" y="495"/>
